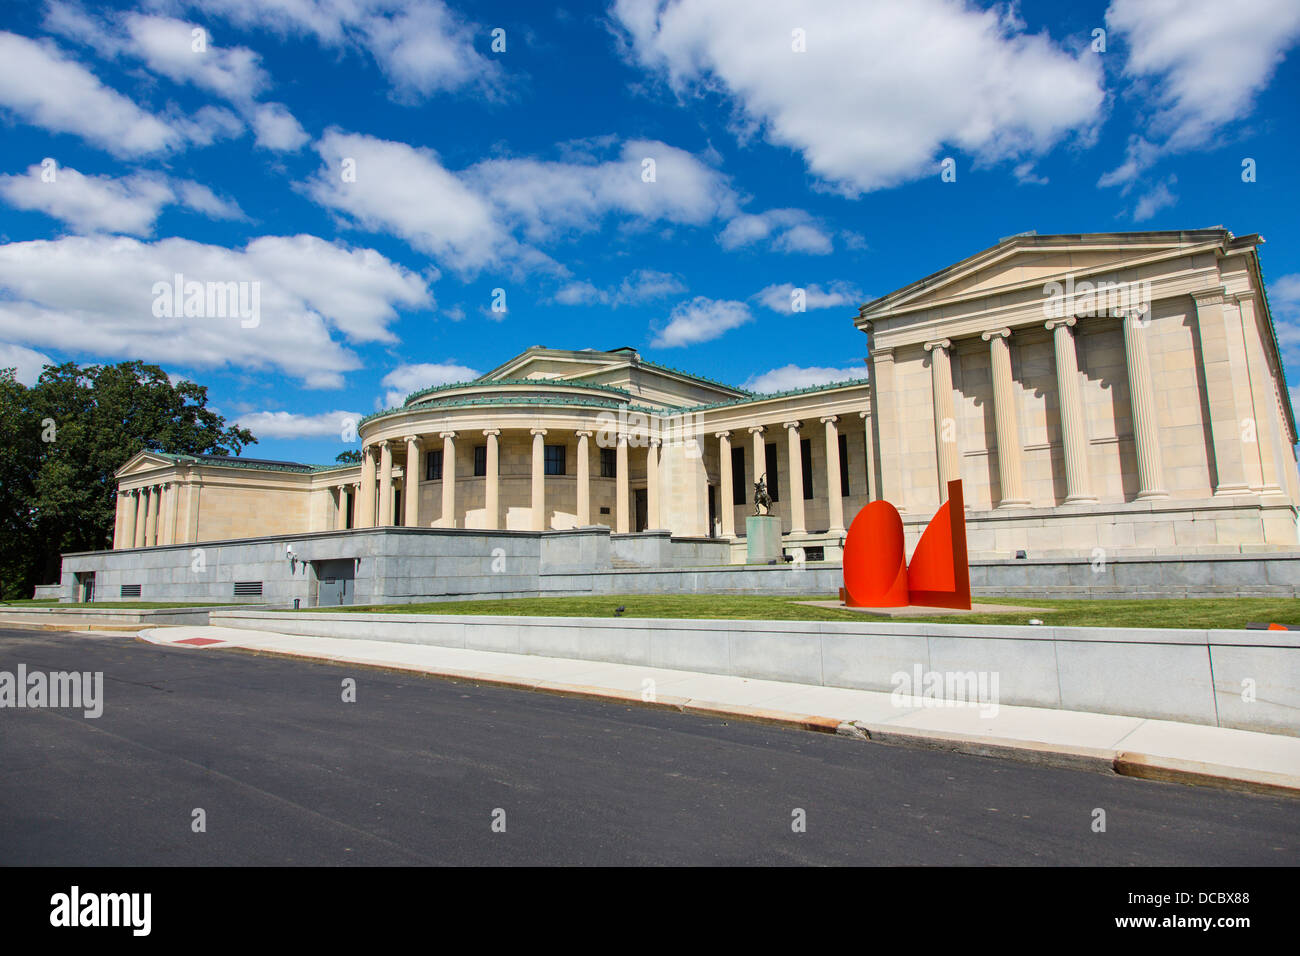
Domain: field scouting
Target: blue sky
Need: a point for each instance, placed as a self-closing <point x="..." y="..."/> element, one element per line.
<point x="793" y="145"/>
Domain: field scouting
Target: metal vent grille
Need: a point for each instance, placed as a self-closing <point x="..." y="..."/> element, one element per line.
<point x="253" y="588"/>
<point x="130" y="590"/>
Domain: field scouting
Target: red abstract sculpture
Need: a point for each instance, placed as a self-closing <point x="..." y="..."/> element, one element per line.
<point x="876" y="574"/>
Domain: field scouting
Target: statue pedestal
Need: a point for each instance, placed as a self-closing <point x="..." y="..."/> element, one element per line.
<point x="762" y="539"/>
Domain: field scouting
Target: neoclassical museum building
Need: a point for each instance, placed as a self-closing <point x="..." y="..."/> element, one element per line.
<point x="1121" y="391"/>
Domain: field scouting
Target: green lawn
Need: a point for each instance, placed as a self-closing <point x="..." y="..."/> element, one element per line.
<point x="1190" y="613"/>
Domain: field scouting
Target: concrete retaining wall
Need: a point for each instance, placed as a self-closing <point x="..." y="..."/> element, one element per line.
<point x="398" y="565"/>
<point x="1186" y="675"/>
<point x="79" y="617"/>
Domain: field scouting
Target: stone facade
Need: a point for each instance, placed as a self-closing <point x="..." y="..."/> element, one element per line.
<point x="1121" y="392"/>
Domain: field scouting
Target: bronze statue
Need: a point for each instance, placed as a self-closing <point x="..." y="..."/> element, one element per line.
<point x="761" y="497"/>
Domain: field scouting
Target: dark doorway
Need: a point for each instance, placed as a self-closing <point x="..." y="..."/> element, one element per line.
<point x="713" y="511"/>
<point x="85" y="587"/>
<point x="640" y="508"/>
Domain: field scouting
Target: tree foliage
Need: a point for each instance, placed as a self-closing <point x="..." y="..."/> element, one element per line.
<point x="63" y="440"/>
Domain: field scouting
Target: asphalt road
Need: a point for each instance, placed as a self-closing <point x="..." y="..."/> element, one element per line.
<point x="286" y="772"/>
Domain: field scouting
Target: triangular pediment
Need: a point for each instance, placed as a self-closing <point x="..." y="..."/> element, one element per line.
<point x="143" y="461"/>
<point x="554" y="364"/>
<point x="1027" y="261"/>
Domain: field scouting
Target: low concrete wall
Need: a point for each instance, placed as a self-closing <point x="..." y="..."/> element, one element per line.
<point x="78" y="617"/>
<point x="389" y="565"/>
<point x="48" y="592"/>
<point x="1129" y="578"/>
<point x="401" y="565"/>
<point x="659" y="549"/>
<point x="1186" y="675"/>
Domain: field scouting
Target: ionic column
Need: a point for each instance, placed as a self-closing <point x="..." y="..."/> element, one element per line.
<point x="796" y="478"/>
<point x="868" y="448"/>
<point x="760" y="456"/>
<point x="411" y="483"/>
<point x="151" y="517"/>
<point x="1142" y="407"/>
<point x="539" y="478"/>
<point x="448" y="519"/>
<point x="726" y="510"/>
<point x="490" y="480"/>
<point x="834" y="493"/>
<point x="584" y="479"/>
<point x="159" y="514"/>
<point x="945" y="416"/>
<point x="117" y="520"/>
<point x="1007" y="421"/>
<point x="141" y="515"/>
<point x="341" y="515"/>
<point x="1074" y="434"/>
<point x="1263" y="399"/>
<point x="166" y="512"/>
<point x="621" y="487"/>
<point x="385" y="484"/>
<point x="365" y="516"/>
<point x="127" y="536"/>
<point x="652" y="484"/>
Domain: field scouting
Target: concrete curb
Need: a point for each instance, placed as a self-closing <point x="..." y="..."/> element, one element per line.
<point x="1194" y="773"/>
<point x="29" y="626"/>
<point x="1094" y="759"/>
<point x="1091" y="759"/>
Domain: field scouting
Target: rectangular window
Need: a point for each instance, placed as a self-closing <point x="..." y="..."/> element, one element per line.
<point x="773" y="486"/>
<point x="739" y="482"/>
<point x="553" y="460"/>
<point x="844" y="466"/>
<point x="480" y="461"/>
<point x="805" y="456"/>
<point x="608" y="463"/>
<point x="433" y="466"/>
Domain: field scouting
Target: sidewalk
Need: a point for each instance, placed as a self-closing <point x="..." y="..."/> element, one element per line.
<point x="1132" y="746"/>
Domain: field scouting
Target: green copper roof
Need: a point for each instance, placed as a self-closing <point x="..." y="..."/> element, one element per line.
<point x="753" y="397"/>
<point x="505" y="401"/>
<point x="513" y="382"/>
<point x="251" y="464"/>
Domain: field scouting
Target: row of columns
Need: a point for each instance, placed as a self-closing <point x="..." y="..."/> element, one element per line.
<point x="834" y="492"/>
<point x="382" y="478"/>
<point x="144" y="516"/>
<point x="1074" y="434"/>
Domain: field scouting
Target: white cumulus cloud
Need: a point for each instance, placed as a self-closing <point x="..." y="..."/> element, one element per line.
<point x="295" y="425"/>
<point x="26" y="363"/>
<point x="97" y="295"/>
<point x="643" y="285"/>
<point x="781" y="298"/>
<point x="701" y="320"/>
<point x="103" y="204"/>
<point x="785" y="230"/>
<point x="405" y="379"/>
<point x="880" y="88"/>
<point x="41" y="85"/>
<point x="789" y="377"/>
<point x="422" y="46"/>
<point x="1203" y="61"/>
